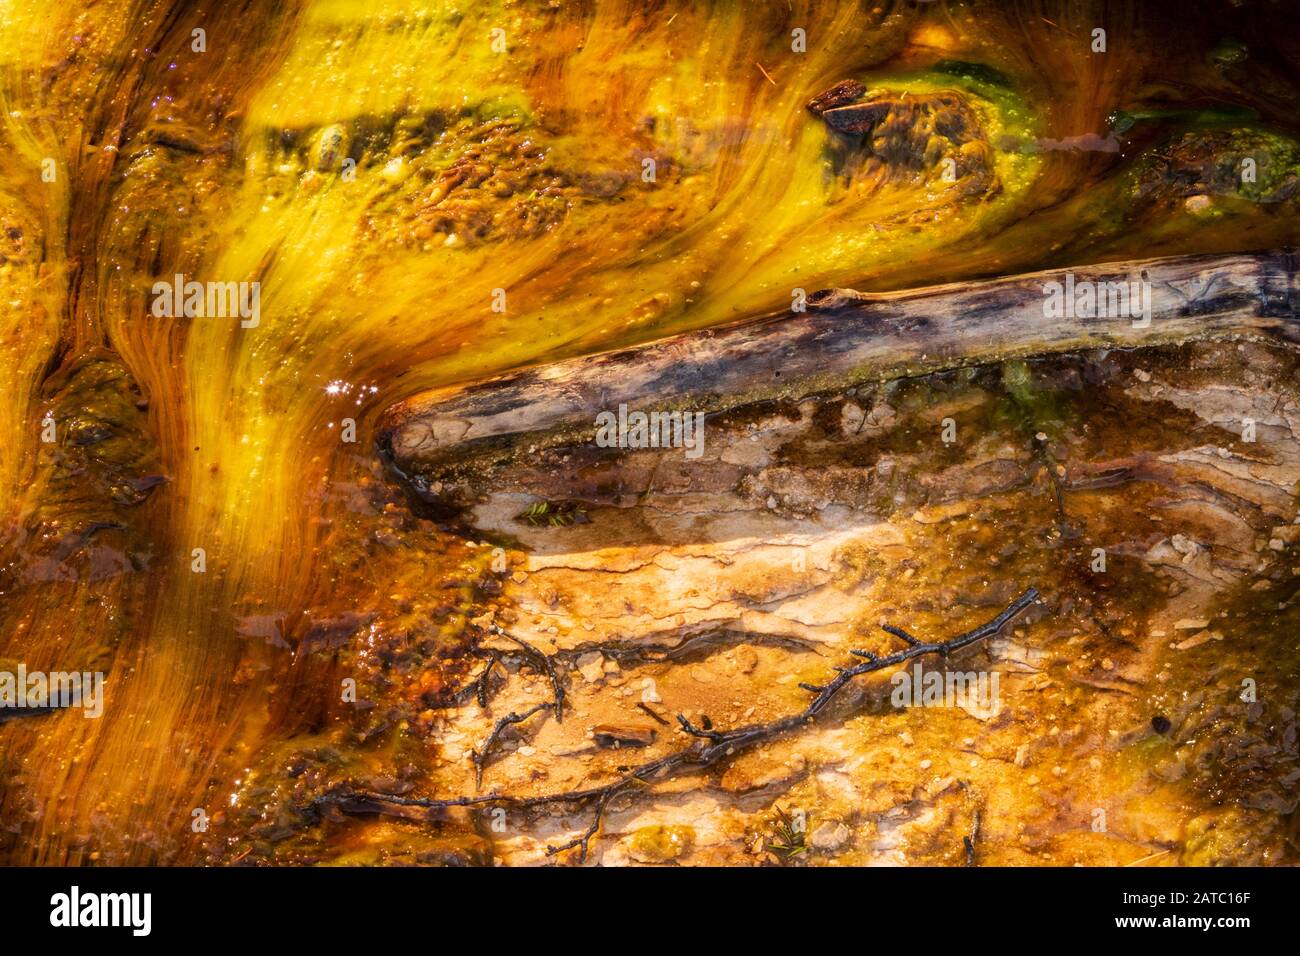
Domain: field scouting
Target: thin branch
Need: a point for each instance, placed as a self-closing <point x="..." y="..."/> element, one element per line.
<point x="1150" y="856"/>
<point x="481" y="682"/>
<point x="481" y="756"/>
<point x="709" y="748"/>
<point x="968" y="841"/>
<point x="690" y="728"/>
<point x="642" y="705"/>
<point x="915" y="648"/>
<point x="479" y="687"/>
<point x="544" y="664"/>
<point x="584" y="842"/>
<point x="899" y="632"/>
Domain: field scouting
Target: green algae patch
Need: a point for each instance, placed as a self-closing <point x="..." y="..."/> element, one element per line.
<point x="660" y="844"/>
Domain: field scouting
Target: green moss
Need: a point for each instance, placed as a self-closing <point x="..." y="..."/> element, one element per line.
<point x="1205" y="158"/>
<point x="1277" y="159"/>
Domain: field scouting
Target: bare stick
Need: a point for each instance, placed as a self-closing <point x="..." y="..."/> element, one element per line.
<point x="481" y="756"/>
<point x="481" y="682"/>
<point x="584" y="842"/>
<point x="694" y="731"/>
<point x="710" y="746"/>
<point x="646" y="707"/>
<point x="915" y="648"/>
<point x="543" y="664"/>
<point x="968" y="841"/>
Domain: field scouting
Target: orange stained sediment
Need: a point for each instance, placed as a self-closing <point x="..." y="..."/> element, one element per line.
<point x="484" y="161"/>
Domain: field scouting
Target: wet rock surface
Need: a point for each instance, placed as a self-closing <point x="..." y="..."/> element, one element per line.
<point x="938" y="135"/>
<point x="1201" y="166"/>
<point x="1148" y="494"/>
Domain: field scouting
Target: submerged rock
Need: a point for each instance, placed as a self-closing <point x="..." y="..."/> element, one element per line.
<point x="1249" y="164"/>
<point x="937" y="132"/>
<point x="660" y="844"/>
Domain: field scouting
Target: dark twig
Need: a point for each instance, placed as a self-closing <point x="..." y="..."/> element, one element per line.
<point x="968" y="841"/>
<point x="915" y="648"/>
<point x="543" y="664"/>
<point x="694" y="731"/>
<point x="481" y="682"/>
<point x="899" y="632"/>
<point x="481" y="756"/>
<point x="650" y="710"/>
<point x="584" y="842"/>
<point x="709" y="748"/>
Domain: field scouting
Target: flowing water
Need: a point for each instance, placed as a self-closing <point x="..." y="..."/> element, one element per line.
<point x="431" y="192"/>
